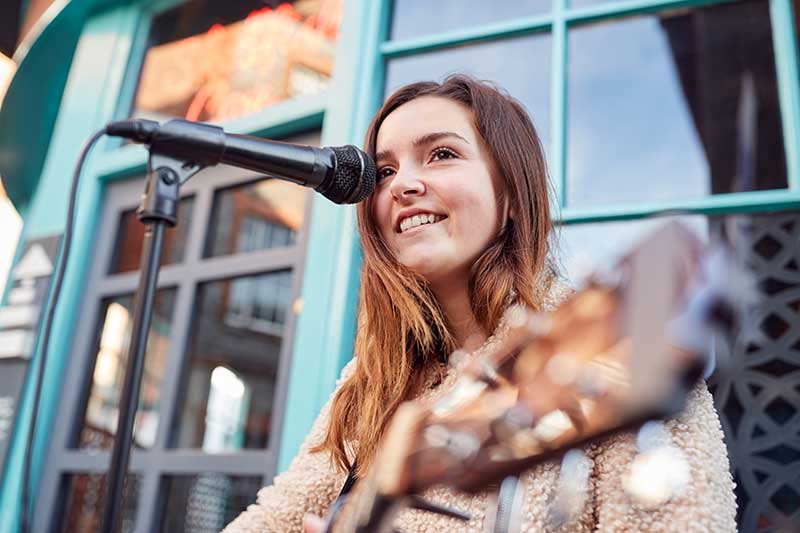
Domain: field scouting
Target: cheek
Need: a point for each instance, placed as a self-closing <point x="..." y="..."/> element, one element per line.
<point x="381" y="211"/>
<point x="478" y="209"/>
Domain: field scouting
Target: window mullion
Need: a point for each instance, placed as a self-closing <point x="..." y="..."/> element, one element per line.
<point x="201" y="216"/>
<point x="488" y="32"/>
<point x="147" y="500"/>
<point x="170" y="383"/>
<point x="558" y="103"/>
<point x="742" y="202"/>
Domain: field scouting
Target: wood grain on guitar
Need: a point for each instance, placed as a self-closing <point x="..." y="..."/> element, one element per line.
<point x="624" y="348"/>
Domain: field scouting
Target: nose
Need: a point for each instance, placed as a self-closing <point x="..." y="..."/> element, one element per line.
<point x="407" y="185"/>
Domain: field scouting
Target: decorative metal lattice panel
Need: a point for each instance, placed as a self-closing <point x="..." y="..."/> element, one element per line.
<point x="757" y="389"/>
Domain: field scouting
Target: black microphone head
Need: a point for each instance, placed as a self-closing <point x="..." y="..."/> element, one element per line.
<point x="354" y="177"/>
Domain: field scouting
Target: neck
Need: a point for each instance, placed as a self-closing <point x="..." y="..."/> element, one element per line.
<point x="453" y="297"/>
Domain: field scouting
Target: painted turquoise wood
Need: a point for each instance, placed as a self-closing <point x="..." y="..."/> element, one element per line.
<point x="43" y="65"/>
<point x="326" y="326"/>
<point x="88" y="103"/>
<point x="786" y="63"/>
<point x="31" y="104"/>
<point x="766" y="201"/>
<point x="558" y="104"/>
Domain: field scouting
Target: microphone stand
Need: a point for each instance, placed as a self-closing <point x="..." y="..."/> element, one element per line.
<point x="157" y="211"/>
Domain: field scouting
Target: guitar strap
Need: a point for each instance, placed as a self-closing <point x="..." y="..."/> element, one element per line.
<point x="350" y="481"/>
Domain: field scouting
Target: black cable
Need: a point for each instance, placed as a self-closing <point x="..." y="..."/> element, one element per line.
<point x="44" y="332"/>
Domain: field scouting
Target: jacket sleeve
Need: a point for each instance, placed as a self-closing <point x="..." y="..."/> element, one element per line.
<point x="707" y="503"/>
<point x="309" y="485"/>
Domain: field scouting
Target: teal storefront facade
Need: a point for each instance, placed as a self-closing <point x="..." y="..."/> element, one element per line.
<point x="582" y="70"/>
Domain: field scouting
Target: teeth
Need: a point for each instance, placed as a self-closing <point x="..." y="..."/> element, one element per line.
<point x="416" y="220"/>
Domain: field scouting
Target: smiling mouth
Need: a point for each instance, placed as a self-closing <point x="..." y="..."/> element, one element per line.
<point x="409" y="225"/>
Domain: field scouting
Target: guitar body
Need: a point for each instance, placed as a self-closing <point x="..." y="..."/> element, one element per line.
<point x="625" y="348"/>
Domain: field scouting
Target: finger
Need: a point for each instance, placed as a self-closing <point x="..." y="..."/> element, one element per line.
<point x="313" y="524"/>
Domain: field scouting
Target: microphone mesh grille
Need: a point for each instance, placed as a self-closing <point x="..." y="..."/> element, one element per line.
<point x="354" y="178"/>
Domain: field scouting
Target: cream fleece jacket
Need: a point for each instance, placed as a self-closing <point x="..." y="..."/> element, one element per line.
<point x="707" y="503"/>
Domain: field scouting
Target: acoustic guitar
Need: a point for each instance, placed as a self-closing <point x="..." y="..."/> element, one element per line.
<point x="625" y="348"/>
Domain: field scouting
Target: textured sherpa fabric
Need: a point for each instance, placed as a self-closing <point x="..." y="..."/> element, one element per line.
<point x="707" y="504"/>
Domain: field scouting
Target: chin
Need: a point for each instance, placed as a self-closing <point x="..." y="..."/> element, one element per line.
<point x="430" y="268"/>
<point x="424" y="265"/>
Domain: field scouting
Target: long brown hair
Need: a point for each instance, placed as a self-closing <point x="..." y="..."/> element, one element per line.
<point x="402" y="331"/>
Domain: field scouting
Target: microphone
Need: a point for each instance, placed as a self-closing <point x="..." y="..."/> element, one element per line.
<point x="343" y="174"/>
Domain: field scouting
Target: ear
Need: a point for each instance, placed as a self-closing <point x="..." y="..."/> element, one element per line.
<point x="508" y="212"/>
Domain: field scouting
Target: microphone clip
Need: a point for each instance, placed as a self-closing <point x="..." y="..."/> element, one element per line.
<point x="165" y="175"/>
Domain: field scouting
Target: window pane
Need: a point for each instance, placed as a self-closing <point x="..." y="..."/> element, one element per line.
<point x="256" y="216"/>
<point x="205" y="502"/>
<point x="674" y="106"/>
<point x="130" y="237"/>
<point x="114" y="331"/>
<point x="414" y="18"/>
<point x="85" y="499"/>
<point x="214" y="61"/>
<point x="520" y="65"/>
<point x="585" y="248"/>
<point x="234" y="351"/>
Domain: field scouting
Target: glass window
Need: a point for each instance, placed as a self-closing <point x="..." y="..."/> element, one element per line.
<point x="114" y="331"/>
<point x="520" y="65"/>
<point x="130" y="238"/>
<point x="673" y="106"/>
<point x="587" y="3"/>
<point x="85" y="501"/>
<point x="256" y="216"/>
<point x="415" y="18"/>
<point x="215" y="61"/>
<point x="232" y="364"/>
<point x="585" y="248"/>
<point x="205" y="502"/>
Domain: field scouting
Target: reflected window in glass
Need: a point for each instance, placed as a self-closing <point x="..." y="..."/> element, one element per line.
<point x="130" y="238"/>
<point x="673" y="106"/>
<point x="84" y="502"/>
<point x="520" y="65"/>
<point x="205" y="502"/>
<point x="256" y="216"/>
<point x="215" y="61"/>
<point x="232" y="364"/>
<point x="114" y="332"/>
<point x="416" y="18"/>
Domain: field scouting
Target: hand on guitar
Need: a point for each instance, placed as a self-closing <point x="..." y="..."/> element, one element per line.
<point x="313" y="524"/>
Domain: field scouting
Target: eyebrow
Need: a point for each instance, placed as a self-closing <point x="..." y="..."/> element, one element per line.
<point x="422" y="141"/>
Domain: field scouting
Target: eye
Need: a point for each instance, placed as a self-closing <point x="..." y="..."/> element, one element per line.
<point x="384" y="172"/>
<point x="442" y="153"/>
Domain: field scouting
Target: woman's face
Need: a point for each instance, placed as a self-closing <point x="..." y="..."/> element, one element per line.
<point x="436" y="202"/>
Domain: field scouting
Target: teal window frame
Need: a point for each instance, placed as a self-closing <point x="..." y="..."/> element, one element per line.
<point x="99" y="89"/>
<point x="378" y="49"/>
<point x="563" y="17"/>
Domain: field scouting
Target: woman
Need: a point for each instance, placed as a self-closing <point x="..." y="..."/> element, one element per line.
<point x="456" y="230"/>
